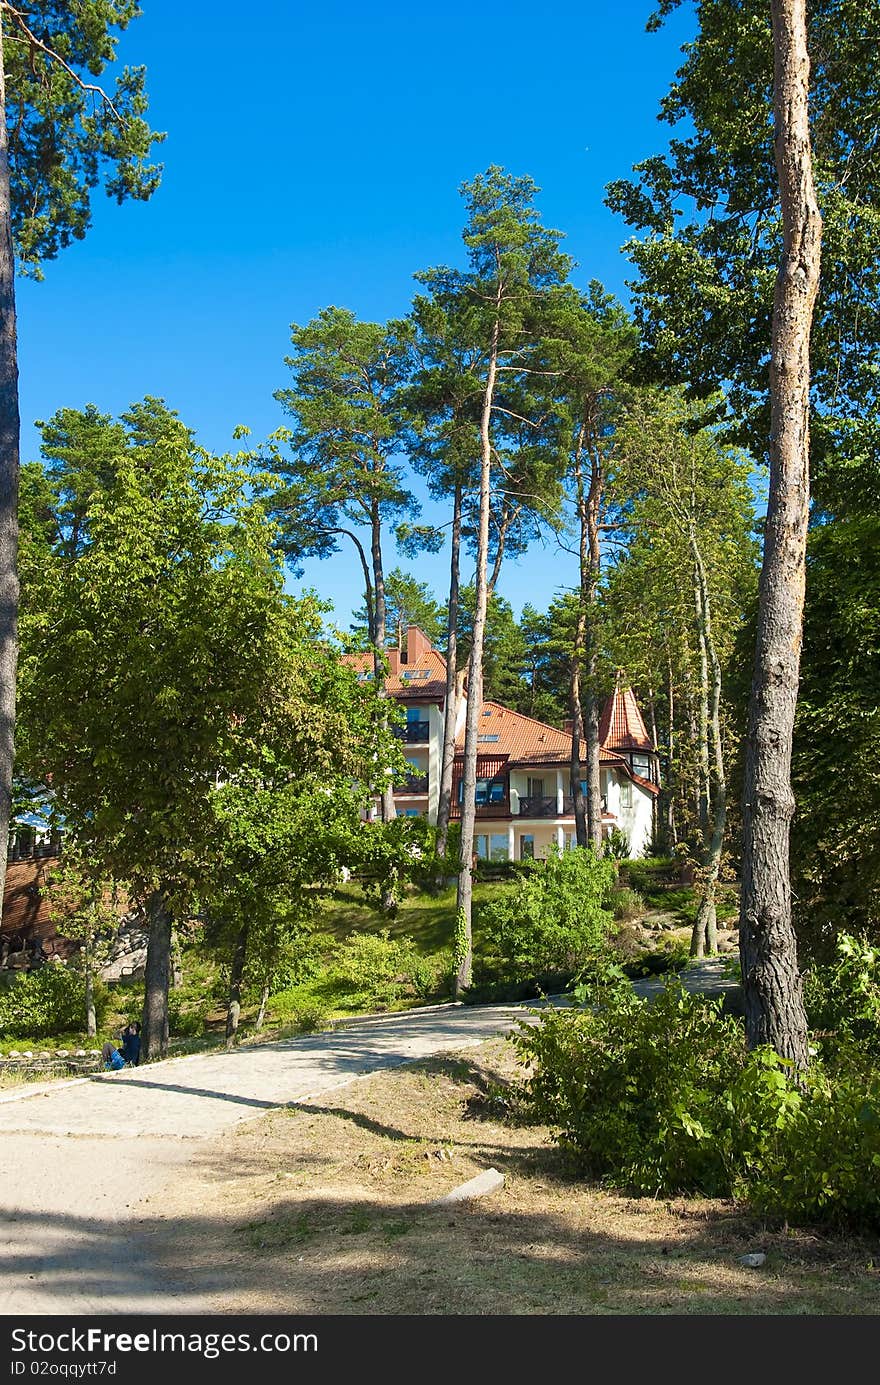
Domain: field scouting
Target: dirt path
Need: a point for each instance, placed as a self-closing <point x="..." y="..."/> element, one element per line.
<point x="87" y="1163"/>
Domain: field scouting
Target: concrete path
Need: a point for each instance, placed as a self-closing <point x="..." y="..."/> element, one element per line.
<point x="85" y="1161"/>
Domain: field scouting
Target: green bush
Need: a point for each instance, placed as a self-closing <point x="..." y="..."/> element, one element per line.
<point x="671" y="954"/>
<point x="826" y="1166"/>
<point x="627" y="905"/>
<point x="375" y="969"/>
<point x="664" y="1098"/>
<point x="49" y="1000"/>
<point x="635" y="1090"/>
<point x="554" y="920"/>
<point x="185" y="1021"/>
<point x="842" y="997"/>
<point x="617" y="844"/>
<point x="309" y="1017"/>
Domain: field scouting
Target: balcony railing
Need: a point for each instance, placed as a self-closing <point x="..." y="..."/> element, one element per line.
<point x="413" y="783"/>
<point x="412" y="731"/>
<point x="538" y="806"/>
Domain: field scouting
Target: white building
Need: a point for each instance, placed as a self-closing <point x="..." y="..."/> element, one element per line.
<point x="524" y="804"/>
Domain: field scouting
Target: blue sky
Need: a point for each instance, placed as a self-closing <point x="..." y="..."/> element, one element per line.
<point x="314" y="155"/>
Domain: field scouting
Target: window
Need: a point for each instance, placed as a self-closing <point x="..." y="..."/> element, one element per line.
<point x="488" y="791"/>
<point x="487" y="738"/>
<point x="412" y="812"/>
<point x="527" y="847"/>
<point x="642" y="766"/>
<point x="626" y="794"/>
<point x="481" y="846"/>
<point x="498" y="847"/>
<point x="536" y="788"/>
<point x="413" y="714"/>
<point x="571" y="841"/>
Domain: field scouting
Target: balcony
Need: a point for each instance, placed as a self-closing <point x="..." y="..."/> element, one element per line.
<point x="538" y="806"/>
<point x="413" y="783"/>
<point x="414" y="732"/>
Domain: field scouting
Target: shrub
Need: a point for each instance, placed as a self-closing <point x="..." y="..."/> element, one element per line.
<point x="825" y="1166"/>
<point x="627" y="905"/>
<point x="553" y="920"/>
<point x="375" y="969"/>
<point x="664" y="1098"/>
<point x="617" y="844"/>
<point x="842" y="998"/>
<point x="309" y="1017"/>
<point x="634" y="1089"/>
<point x="185" y="1021"/>
<point x="671" y="954"/>
<point x="49" y="1000"/>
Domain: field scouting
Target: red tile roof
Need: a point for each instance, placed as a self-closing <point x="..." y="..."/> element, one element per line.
<point x="524" y="740"/>
<point x="421" y="681"/>
<point x="621" y="726"/>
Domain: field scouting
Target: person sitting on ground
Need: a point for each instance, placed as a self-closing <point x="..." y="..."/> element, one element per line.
<point x="113" y="1059"/>
<point x="131" y="1043"/>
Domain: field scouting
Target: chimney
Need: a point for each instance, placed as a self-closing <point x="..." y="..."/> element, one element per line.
<point x="393" y="661"/>
<point x="417" y="644"/>
<point x="568" y="726"/>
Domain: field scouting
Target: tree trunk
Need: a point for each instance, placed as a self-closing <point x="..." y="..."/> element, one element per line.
<point x="589" y="696"/>
<point x="669" y="787"/>
<point x="261" y="1013"/>
<point x="464" y="899"/>
<point x="9" y="449"/>
<point x="771" y="981"/>
<point x="705" y="934"/>
<point x="389" y="812"/>
<point x="583" y="701"/>
<point x="450" y="709"/>
<point x="176" y="961"/>
<point x="154" y="1038"/>
<point x="91" y="1017"/>
<point x="236" y="973"/>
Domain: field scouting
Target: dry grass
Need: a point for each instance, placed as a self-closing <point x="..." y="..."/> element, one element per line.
<point x="323" y="1209"/>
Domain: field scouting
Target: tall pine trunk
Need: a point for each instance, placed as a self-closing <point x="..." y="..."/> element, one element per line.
<point x="154" y="1036"/>
<point x="236" y="976"/>
<point x="91" y="1017"/>
<point x="583" y="701"/>
<point x="464" y="898"/>
<point x="705" y="933"/>
<point x="9" y="449"/>
<point x="450" y="706"/>
<point x="389" y="812"/>
<point x="771" y="982"/>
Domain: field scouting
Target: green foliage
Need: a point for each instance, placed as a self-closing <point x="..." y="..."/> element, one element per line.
<point x="554" y="919"/>
<point x="671" y="954"/>
<point x="825" y="1168"/>
<point x="64" y="139"/>
<point x="626" y="905"/>
<point x="664" y="1098"/>
<point x="709" y="218"/>
<point x="376" y="969"/>
<point x="655" y="1097"/>
<point x="186" y="1020"/>
<point x="617" y="844"/>
<point x="47" y="1001"/>
<point x="842" y="997"/>
<point x="836" y="850"/>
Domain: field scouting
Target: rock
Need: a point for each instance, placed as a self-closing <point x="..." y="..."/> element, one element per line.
<point x="486" y="1182"/>
<point x="754" y="1260"/>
